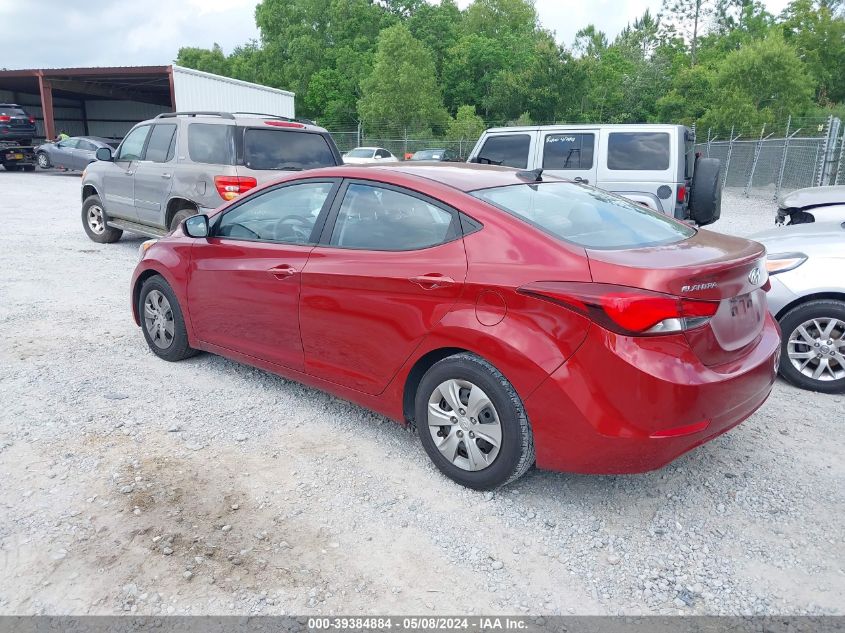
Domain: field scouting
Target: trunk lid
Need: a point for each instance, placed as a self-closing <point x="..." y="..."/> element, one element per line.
<point x="707" y="266"/>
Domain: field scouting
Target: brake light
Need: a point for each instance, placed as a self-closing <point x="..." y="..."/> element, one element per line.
<point x="682" y="193"/>
<point x="32" y="119"/>
<point x="285" y="124"/>
<point x="230" y="187"/>
<point x="5" y="118"/>
<point x="624" y="310"/>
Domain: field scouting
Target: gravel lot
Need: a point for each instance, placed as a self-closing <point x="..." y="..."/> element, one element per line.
<point x="128" y="484"/>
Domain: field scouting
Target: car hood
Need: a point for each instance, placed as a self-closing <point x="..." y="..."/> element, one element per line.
<point x="816" y="238"/>
<point x="812" y="197"/>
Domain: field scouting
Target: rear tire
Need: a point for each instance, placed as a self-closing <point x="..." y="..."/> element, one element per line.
<point x="814" y="349"/>
<point x="43" y="160"/>
<point x="488" y="408"/>
<point x="705" y="199"/>
<point x="162" y="322"/>
<point x="94" y="221"/>
<point x="180" y="216"/>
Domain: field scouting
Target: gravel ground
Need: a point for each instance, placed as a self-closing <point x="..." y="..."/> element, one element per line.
<point x="128" y="484"/>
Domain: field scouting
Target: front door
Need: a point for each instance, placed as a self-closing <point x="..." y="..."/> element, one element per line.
<point x="154" y="175"/>
<point x="244" y="282"/>
<point x="118" y="179"/>
<point x="569" y="154"/>
<point x="392" y="268"/>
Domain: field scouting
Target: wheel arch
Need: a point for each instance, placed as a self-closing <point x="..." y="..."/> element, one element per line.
<point x="175" y="205"/>
<point x="89" y="190"/>
<point x="415" y="375"/>
<point x="836" y="296"/>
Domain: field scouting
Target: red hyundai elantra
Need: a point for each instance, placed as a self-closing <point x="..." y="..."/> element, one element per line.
<point x="510" y="316"/>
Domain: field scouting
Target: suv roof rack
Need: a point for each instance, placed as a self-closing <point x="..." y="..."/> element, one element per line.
<point x="280" y="117"/>
<point x="170" y="115"/>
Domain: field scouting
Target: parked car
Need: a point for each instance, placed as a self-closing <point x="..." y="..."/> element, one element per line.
<point x="813" y="204"/>
<point x="807" y="268"/>
<point x="507" y="315"/>
<point x="654" y="165"/>
<point x="16" y="124"/>
<point x="76" y="152"/>
<point x="362" y="155"/>
<point x="182" y="163"/>
<point x="441" y="154"/>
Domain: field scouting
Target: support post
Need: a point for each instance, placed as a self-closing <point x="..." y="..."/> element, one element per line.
<point x="783" y="157"/>
<point x="757" y="150"/>
<point x="731" y="140"/>
<point x="84" y="112"/>
<point x="46" y="91"/>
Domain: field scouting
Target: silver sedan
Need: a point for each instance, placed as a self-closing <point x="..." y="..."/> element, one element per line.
<point x="75" y="152"/>
<point x="806" y="264"/>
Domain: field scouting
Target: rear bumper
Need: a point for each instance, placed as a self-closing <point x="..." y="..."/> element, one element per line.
<point x="9" y="133"/>
<point x="629" y="405"/>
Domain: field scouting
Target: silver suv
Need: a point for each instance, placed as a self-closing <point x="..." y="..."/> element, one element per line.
<point x="183" y="163"/>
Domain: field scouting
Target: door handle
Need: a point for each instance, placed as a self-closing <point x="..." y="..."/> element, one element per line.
<point x="581" y="180"/>
<point x="282" y="272"/>
<point x="165" y="176"/>
<point x="432" y="281"/>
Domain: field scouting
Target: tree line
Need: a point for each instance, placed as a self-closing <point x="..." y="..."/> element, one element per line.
<point x="438" y="70"/>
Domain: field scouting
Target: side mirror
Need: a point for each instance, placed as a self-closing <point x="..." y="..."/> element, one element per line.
<point x="197" y="226"/>
<point x="103" y="153"/>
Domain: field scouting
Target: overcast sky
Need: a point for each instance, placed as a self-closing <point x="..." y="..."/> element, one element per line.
<point x="63" y="33"/>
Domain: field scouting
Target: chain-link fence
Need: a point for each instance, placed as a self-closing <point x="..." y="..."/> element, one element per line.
<point x="803" y="152"/>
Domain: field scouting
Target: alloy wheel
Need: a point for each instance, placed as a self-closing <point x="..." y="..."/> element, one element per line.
<point x="96" y="221"/>
<point x="43" y="161"/>
<point x="816" y="348"/>
<point x="158" y="319"/>
<point x="464" y="424"/>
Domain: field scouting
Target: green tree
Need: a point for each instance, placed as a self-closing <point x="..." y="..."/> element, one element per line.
<point x="402" y="89"/>
<point x="210" y="61"/>
<point x="466" y="126"/>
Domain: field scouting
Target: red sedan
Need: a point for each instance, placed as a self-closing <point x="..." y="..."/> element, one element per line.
<point x="512" y="317"/>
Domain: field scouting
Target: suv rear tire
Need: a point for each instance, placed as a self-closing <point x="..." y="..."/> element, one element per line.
<point x="180" y="216"/>
<point x="94" y="221"/>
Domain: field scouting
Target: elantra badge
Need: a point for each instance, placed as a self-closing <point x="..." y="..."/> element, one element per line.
<point x="694" y="287"/>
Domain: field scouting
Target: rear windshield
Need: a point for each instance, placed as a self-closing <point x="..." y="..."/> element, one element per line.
<point x="277" y="149"/>
<point x="428" y="154"/>
<point x="360" y="153"/>
<point x="588" y="217"/>
<point x="638" y="151"/>
<point x="12" y="111"/>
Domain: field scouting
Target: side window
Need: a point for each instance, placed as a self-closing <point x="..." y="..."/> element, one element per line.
<point x="70" y="143"/>
<point x="286" y="215"/>
<point x="133" y="144"/>
<point x="377" y="219"/>
<point x="383" y="153"/>
<point x="568" y="151"/>
<point x="211" y="143"/>
<point x="161" y="139"/>
<point x="88" y="146"/>
<point x="638" y="151"/>
<point x="510" y="150"/>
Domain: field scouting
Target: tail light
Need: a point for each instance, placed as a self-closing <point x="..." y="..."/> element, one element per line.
<point x="682" y="193"/>
<point x="230" y="187"/>
<point x="624" y="310"/>
<point x="285" y="124"/>
<point x="32" y="119"/>
<point x="5" y="118"/>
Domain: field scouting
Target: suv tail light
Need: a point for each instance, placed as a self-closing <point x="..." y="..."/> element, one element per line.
<point x="624" y="310"/>
<point x="285" y="124"/>
<point x="682" y="193"/>
<point x="5" y="118"/>
<point x="230" y="187"/>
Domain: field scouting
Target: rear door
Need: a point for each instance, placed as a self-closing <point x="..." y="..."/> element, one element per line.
<point x="84" y="154"/>
<point x="118" y="179"/>
<point x="154" y="175"/>
<point x="390" y="265"/>
<point x="244" y="281"/>
<point x="569" y="154"/>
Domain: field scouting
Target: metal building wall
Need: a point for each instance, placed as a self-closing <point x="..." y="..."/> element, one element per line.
<point x="113" y="119"/>
<point x="196" y="90"/>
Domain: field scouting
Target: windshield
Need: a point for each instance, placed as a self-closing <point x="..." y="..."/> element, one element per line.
<point x="277" y="149"/>
<point x="588" y="217"/>
<point x="428" y="154"/>
<point x="360" y="152"/>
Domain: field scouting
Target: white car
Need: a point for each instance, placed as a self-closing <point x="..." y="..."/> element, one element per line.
<point x="813" y="204"/>
<point x="361" y="155"/>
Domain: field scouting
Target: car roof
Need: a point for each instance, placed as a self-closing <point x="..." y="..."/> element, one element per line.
<point x="583" y="126"/>
<point x="460" y="176"/>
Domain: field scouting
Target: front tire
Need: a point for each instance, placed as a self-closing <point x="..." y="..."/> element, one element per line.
<point x="472" y="423"/>
<point x="94" y="221"/>
<point x="813" y="346"/>
<point x="43" y="160"/>
<point x="162" y="321"/>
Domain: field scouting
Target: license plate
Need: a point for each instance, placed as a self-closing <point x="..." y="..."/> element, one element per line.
<point x="18" y="156"/>
<point x="14" y="156"/>
<point x="742" y="305"/>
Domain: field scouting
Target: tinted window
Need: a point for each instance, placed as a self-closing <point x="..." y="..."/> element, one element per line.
<point x="161" y="140"/>
<point x="587" y="217"/>
<point x="510" y="150"/>
<point x="286" y="215"/>
<point x="133" y="144"/>
<point x="568" y="151"/>
<point x="359" y="152"/>
<point x="277" y="149"/>
<point x="86" y="145"/>
<point x="379" y="219"/>
<point x="430" y="154"/>
<point x="643" y="151"/>
<point x="210" y="143"/>
<point x="383" y="153"/>
<point x="12" y="111"/>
